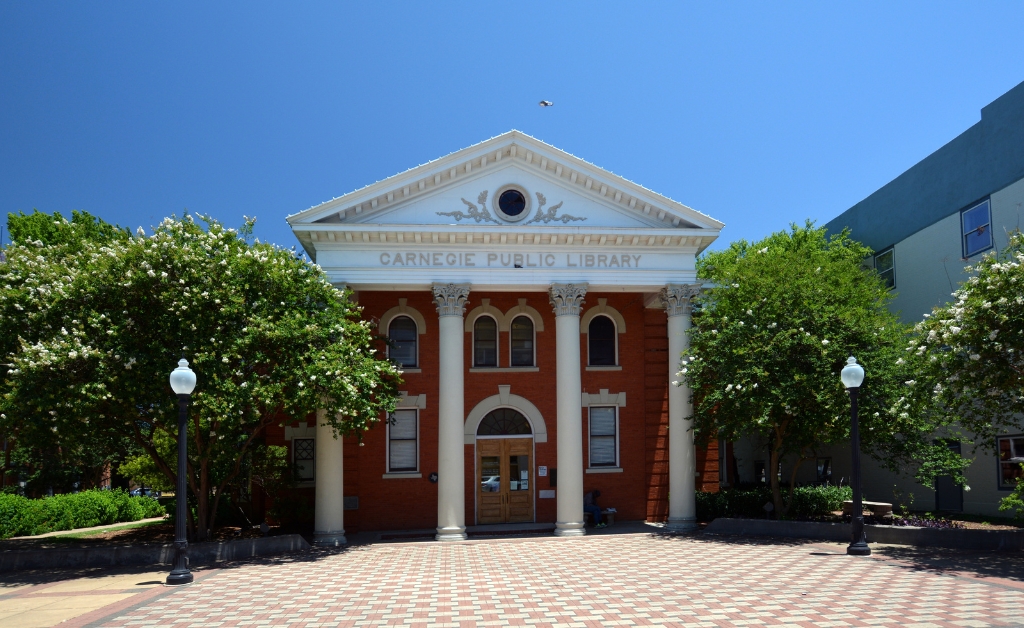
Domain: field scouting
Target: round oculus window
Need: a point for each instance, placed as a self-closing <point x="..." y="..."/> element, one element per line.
<point x="512" y="203"/>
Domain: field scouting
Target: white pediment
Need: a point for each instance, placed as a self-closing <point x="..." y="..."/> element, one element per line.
<point x="473" y="202"/>
<point x="416" y="197"/>
<point x="440" y="222"/>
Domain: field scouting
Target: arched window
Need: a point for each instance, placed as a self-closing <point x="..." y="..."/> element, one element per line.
<point x="503" y="422"/>
<point x="485" y="342"/>
<point x="522" y="341"/>
<point x="601" y="337"/>
<point x="402" y="334"/>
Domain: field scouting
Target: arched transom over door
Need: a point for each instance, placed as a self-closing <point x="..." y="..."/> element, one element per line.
<point x="504" y="422"/>
<point x="504" y="449"/>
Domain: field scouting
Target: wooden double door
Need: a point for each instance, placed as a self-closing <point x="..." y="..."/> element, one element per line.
<point x="504" y="480"/>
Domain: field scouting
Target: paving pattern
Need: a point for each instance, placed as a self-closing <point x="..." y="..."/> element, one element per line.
<point x="611" y="580"/>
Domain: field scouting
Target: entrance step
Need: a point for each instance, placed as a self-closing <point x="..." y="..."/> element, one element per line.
<point x="498" y="529"/>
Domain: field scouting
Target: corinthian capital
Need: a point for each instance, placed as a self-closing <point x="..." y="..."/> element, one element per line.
<point x="676" y="297"/>
<point x="567" y="298"/>
<point x="450" y="298"/>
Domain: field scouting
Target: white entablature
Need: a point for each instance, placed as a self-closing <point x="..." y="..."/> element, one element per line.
<point x="447" y="221"/>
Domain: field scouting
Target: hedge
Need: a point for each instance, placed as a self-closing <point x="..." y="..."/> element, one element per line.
<point x="808" y="501"/>
<point x="20" y="516"/>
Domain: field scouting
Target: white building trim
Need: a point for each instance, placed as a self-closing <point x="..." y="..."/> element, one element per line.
<point x="505" y="399"/>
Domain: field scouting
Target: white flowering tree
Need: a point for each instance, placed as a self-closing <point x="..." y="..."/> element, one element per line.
<point x="39" y="456"/>
<point x="100" y="323"/>
<point x="770" y="339"/>
<point x="972" y="350"/>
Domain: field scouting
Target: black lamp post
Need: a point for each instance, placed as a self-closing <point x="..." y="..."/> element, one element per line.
<point x="183" y="382"/>
<point x="853" y="377"/>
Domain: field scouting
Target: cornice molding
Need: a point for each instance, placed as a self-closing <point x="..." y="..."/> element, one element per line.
<point x="328" y="236"/>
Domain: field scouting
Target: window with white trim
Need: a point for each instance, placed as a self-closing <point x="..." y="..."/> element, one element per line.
<point x="304" y="458"/>
<point x="601" y="341"/>
<point x="976" y="227"/>
<point x="402" y="333"/>
<point x="1011" y="455"/>
<point x="485" y="341"/>
<point x="885" y="266"/>
<point x="403" y="442"/>
<point x="604" y="436"/>
<point x="521" y="339"/>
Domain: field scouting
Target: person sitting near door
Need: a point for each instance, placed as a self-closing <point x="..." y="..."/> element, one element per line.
<point x="590" y="505"/>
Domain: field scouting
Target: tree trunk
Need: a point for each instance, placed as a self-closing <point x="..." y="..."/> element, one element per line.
<point x="203" y="503"/>
<point x="773" y="479"/>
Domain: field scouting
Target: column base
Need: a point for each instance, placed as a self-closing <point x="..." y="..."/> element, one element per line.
<point x="451" y="534"/>
<point x="329" y="539"/>
<point x="574" y="528"/>
<point x="685" y="524"/>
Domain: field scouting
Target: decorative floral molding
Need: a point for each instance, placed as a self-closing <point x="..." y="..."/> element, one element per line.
<point x="567" y="298"/>
<point x="676" y="298"/>
<point x="475" y="213"/>
<point x="551" y="214"/>
<point x="450" y="298"/>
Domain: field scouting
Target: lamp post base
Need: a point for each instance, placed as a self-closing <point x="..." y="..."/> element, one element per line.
<point x="178" y="578"/>
<point x="860" y="548"/>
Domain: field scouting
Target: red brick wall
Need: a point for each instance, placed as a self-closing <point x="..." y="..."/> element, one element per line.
<point x="401" y="504"/>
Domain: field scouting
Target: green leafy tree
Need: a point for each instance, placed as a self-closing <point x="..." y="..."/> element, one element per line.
<point x="770" y="339"/>
<point x="103" y="322"/>
<point x="34" y="454"/>
<point x="972" y="349"/>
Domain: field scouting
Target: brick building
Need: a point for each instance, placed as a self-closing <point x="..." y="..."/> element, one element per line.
<point x="537" y="305"/>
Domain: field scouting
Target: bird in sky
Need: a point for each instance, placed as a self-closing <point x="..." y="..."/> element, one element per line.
<point x="546" y="103"/>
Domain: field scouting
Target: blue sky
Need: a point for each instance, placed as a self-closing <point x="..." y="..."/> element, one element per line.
<point x="759" y="114"/>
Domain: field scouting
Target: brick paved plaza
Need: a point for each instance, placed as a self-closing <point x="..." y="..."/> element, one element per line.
<point x="620" y="579"/>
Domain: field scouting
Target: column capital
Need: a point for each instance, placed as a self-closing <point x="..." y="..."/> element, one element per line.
<point x="567" y="298"/>
<point x="675" y="297"/>
<point x="450" y="298"/>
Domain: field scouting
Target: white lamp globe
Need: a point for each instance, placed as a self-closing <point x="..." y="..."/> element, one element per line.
<point x="853" y="373"/>
<point x="183" y="379"/>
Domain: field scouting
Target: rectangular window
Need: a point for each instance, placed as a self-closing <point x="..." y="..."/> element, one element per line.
<point x="303" y="451"/>
<point x="1011" y="455"/>
<point x="604" y="436"/>
<point x="522" y="342"/>
<point x="976" y="225"/>
<point x="885" y="266"/>
<point x="403" y="449"/>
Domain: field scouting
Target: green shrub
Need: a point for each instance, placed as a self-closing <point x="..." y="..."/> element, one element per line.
<point x="808" y="501"/>
<point x="15" y="515"/>
<point x="20" y="516"/>
<point x="150" y="507"/>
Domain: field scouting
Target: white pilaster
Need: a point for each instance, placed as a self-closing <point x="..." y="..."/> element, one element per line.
<point x="329" y="509"/>
<point x="682" y="463"/>
<point x="567" y="301"/>
<point x="451" y="469"/>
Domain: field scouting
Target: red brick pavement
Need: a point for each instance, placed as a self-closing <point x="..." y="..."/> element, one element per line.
<point x="613" y="580"/>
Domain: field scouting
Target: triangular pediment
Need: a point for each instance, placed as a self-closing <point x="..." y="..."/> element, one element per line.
<point x="462" y="189"/>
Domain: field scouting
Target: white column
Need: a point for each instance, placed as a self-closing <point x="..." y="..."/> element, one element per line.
<point x="329" y="509"/>
<point x="451" y="469"/>
<point x="567" y="301"/>
<point x="682" y="463"/>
